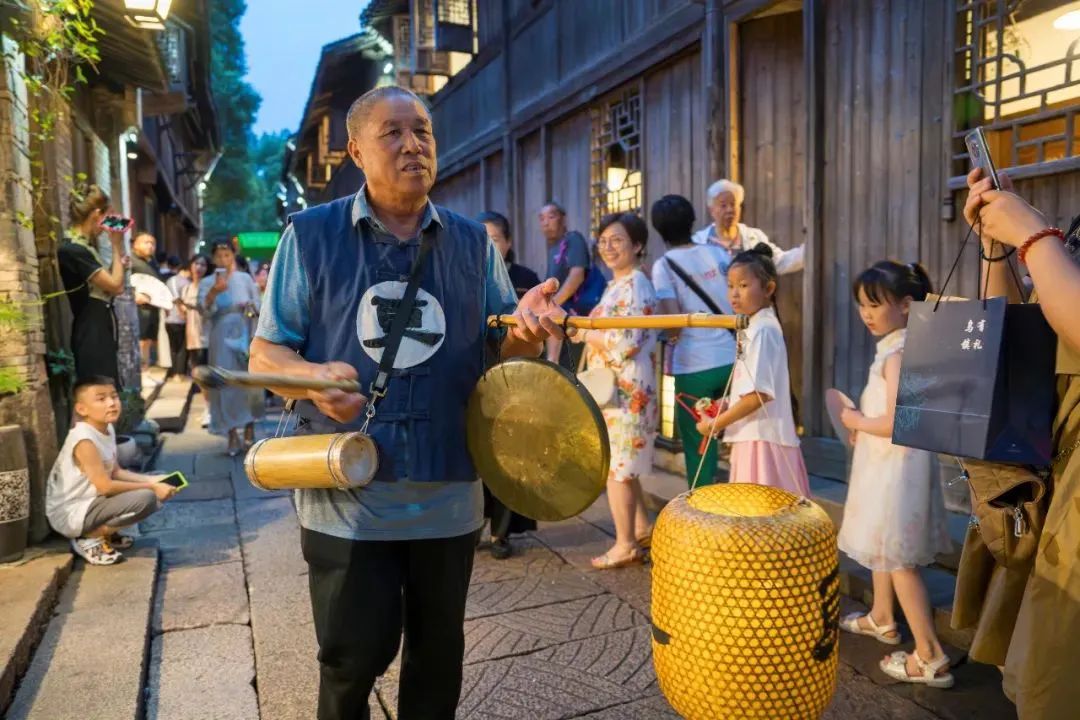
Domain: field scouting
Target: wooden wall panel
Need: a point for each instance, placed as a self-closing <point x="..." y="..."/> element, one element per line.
<point x="772" y="111"/>
<point x="570" y="157"/>
<point x="534" y="65"/>
<point x="489" y="22"/>
<point x="674" y="160"/>
<point x="497" y="198"/>
<point x="461" y="192"/>
<point x="532" y="249"/>
<point x="881" y="195"/>
<point x="471" y="110"/>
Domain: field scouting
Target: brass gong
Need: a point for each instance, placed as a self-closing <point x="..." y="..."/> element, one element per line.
<point x="537" y="439"/>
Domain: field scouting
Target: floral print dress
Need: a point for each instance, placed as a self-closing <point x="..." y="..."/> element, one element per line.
<point x="630" y="354"/>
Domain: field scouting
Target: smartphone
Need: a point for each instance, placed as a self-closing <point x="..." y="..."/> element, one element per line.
<point x="116" y="223"/>
<point x="176" y="479"/>
<point x="219" y="271"/>
<point x="979" y="153"/>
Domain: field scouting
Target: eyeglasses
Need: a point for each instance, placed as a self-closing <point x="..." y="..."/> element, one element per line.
<point x="610" y="242"/>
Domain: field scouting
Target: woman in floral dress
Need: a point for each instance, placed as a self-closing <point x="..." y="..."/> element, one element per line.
<point x="631" y="421"/>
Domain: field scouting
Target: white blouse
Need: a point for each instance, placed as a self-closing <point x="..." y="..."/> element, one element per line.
<point x="763" y="368"/>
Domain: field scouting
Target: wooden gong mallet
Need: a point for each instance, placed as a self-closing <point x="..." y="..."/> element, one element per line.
<point x="214" y="378"/>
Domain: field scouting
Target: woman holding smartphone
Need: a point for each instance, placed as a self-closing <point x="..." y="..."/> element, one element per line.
<point x="230" y="301"/>
<point x="91" y="285"/>
<point x="1043" y="654"/>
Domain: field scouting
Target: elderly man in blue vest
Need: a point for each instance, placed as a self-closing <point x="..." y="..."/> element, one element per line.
<point x="397" y="554"/>
<point x="727" y="231"/>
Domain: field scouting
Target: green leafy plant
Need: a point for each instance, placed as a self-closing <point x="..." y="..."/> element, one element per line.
<point x="133" y="407"/>
<point x="11" y="381"/>
<point x="61" y="363"/>
<point x="12" y="315"/>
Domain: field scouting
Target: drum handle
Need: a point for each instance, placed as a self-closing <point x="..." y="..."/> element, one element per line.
<point x="283" y="421"/>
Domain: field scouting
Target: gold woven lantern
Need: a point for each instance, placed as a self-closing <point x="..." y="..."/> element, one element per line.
<point x="745" y="604"/>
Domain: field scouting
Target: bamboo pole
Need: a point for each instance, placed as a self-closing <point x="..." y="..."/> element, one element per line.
<point x="643" y="322"/>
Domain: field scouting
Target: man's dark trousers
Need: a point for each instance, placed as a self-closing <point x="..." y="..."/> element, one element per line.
<point x="363" y="593"/>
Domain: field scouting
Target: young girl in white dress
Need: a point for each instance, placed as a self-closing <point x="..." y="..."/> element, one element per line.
<point x="894" y="517"/>
<point x="758" y="421"/>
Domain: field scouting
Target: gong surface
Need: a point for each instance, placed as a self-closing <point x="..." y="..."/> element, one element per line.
<point x="537" y="439"/>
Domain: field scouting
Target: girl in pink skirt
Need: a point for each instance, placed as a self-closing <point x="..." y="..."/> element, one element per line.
<point x="758" y="422"/>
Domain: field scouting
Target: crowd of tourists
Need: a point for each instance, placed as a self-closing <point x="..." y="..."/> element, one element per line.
<point x="403" y="542"/>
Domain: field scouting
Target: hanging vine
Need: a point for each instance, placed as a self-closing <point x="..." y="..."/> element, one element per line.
<point x="51" y="42"/>
<point x="56" y="39"/>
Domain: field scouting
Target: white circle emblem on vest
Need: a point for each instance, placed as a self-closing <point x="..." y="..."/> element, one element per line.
<point x="424" y="331"/>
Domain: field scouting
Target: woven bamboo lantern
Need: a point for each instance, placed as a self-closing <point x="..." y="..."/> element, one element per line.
<point x="745" y="604"/>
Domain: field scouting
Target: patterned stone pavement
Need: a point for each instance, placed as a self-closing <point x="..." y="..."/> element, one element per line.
<point x="547" y="637"/>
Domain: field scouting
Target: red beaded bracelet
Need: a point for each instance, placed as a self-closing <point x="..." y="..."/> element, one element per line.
<point x="1045" y="232"/>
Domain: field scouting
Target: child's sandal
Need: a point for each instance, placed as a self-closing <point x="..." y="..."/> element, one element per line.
<point x="895" y="666"/>
<point x="850" y="623"/>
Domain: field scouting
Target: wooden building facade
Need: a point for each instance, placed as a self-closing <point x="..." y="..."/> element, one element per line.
<point x="317" y="167"/>
<point x="842" y="118"/>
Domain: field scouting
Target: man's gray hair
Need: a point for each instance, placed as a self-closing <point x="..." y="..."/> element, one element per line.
<point x="363" y="105"/>
<point x="723" y="186"/>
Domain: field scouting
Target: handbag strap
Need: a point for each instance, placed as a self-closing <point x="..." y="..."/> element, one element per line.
<point x="694" y="287"/>
<point x="397" y="330"/>
<point x="584" y="355"/>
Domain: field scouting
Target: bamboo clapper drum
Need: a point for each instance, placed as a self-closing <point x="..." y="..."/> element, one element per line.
<point x="745" y="604"/>
<point x="342" y="460"/>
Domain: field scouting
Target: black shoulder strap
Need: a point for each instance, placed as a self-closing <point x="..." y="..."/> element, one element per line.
<point x="694" y="287"/>
<point x="401" y="321"/>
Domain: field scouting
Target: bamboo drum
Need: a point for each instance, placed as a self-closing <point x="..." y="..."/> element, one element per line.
<point x="745" y="604"/>
<point x="308" y="462"/>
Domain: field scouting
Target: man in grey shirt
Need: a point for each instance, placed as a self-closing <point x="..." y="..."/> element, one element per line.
<point x="567" y="262"/>
<point x="395" y="555"/>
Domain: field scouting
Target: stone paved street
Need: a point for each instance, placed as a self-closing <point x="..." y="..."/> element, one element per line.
<point x="546" y="636"/>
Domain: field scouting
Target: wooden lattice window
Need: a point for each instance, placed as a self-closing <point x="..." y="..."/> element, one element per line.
<point x="616" y="156"/>
<point x="454" y="25"/>
<point x="1017" y="73"/>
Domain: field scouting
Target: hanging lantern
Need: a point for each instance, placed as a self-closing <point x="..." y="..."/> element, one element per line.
<point x="745" y="604"/>
<point x="616" y="168"/>
<point x="147" y="14"/>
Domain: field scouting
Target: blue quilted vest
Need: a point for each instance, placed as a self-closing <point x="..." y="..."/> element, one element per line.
<point x="420" y="424"/>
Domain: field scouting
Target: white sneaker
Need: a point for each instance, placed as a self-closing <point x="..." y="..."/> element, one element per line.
<point x="95" y="551"/>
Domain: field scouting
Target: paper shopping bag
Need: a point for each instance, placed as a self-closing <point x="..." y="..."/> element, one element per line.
<point x="977" y="381"/>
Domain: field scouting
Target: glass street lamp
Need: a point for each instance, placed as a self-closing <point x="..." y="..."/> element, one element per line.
<point x="147" y="14"/>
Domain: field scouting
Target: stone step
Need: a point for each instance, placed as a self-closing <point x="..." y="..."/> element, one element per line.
<point x="92" y="660"/>
<point x="660" y="487"/>
<point x="28" y="592"/>
<point x="170" y="407"/>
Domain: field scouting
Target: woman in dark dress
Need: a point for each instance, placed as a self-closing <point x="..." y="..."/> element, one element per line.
<point x="503" y="520"/>
<point x="91" y="286"/>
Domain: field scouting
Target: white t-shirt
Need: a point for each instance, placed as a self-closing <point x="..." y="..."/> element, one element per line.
<point x="69" y="491"/>
<point x="763" y="368"/>
<point x="698" y="348"/>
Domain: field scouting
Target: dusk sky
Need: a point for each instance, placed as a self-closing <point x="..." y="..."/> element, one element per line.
<point x="283" y="40"/>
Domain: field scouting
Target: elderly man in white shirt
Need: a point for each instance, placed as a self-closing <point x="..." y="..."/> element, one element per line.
<point x="725" y="199"/>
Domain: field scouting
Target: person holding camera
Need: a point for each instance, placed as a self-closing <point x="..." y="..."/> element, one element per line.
<point x="91" y="285"/>
<point x="1043" y="655"/>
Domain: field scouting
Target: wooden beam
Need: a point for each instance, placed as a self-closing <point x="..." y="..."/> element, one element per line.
<point x="545" y="156"/>
<point x="814" y="270"/>
<point x="712" y="63"/>
<point x="730" y="92"/>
